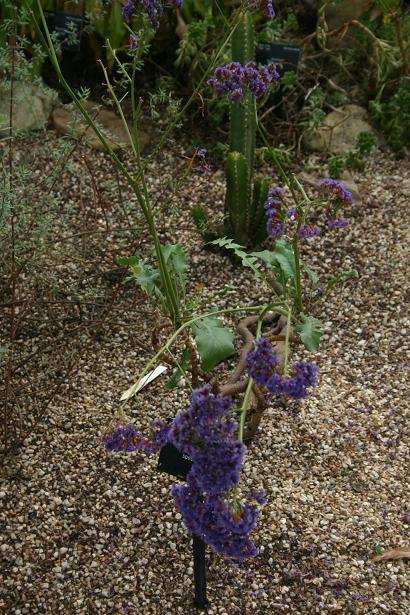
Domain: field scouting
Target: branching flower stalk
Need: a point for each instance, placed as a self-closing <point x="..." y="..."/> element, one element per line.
<point x="169" y="285"/>
<point x="245" y="404"/>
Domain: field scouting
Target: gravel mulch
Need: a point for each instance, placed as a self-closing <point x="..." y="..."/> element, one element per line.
<point x="84" y="532"/>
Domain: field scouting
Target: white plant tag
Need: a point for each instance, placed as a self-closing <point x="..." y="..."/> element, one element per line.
<point x="143" y="382"/>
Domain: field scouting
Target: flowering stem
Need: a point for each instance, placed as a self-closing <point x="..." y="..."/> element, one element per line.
<point x="287" y="335"/>
<point x="289" y="183"/>
<point x="298" y="290"/>
<point x="194" y="93"/>
<point x="245" y="404"/>
<point x="143" y="199"/>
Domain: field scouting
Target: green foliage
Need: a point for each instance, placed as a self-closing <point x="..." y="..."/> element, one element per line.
<point x="173" y="381"/>
<point x="214" y="341"/>
<point x="237" y="197"/>
<point x="281" y="260"/>
<point x="392" y="116"/>
<point x="277" y="29"/>
<point x="149" y="278"/>
<point x="247" y="260"/>
<point x="310" y="331"/>
<point x="340" y="278"/>
<point x="353" y="159"/>
<point x="289" y="80"/>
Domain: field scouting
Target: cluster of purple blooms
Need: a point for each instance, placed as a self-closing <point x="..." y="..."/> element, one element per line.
<point x="342" y="197"/>
<point x="124" y="438"/>
<point x="206" y="432"/>
<point x="235" y="80"/>
<point x="336" y="188"/>
<point x="261" y="363"/>
<point x="273" y="206"/>
<point x="152" y="8"/>
<point x="266" y="6"/>
<point x="278" y="215"/>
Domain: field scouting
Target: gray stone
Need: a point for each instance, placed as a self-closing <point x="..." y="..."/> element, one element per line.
<point x="339" y="13"/>
<point x="339" y="131"/>
<point x="32" y="104"/>
<point x="68" y="120"/>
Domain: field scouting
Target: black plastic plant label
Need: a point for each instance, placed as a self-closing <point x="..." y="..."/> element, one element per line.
<point x="67" y="27"/>
<point x="285" y="56"/>
<point x="173" y="462"/>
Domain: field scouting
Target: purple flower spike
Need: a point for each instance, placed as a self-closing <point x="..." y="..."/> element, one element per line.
<point x="295" y="387"/>
<point x="306" y="232"/>
<point x="338" y="223"/>
<point x="133" y="42"/>
<point x="152" y="8"/>
<point x="235" y="80"/>
<point x="266" y="6"/>
<point x="128" y="9"/>
<point x="261" y="362"/>
<point x="126" y="438"/>
<point x="336" y="188"/>
<point x="275" y="229"/>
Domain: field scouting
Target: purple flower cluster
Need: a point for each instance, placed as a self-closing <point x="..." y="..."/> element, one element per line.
<point x="126" y="438"/>
<point x="152" y="8"/>
<point x="133" y="42"/>
<point x="337" y="223"/>
<point x="235" y="80"/>
<point x="336" y="188"/>
<point x="295" y="387"/>
<point x="273" y="206"/>
<point x="262" y="5"/>
<point x="305" y="232"/>
<point x="261" y="363"/>
<point x="206" y="432"/>
<point x="216" y="520"/>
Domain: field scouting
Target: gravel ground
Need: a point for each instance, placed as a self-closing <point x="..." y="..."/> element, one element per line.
<point x="86" y="532"/>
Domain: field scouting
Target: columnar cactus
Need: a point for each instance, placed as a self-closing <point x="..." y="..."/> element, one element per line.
<point x="244" y="213"/>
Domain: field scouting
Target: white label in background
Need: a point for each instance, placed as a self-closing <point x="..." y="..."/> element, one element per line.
<point x="143" y="382"/>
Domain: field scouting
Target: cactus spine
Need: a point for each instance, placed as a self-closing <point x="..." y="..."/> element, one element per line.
<point x="244" y="212"/>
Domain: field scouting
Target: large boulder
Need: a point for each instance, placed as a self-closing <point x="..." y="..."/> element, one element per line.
<point x="339" y="131"/>
<point x="339" y="13"/>
<point x="32" y="104"/>
<point x="68" y="120"/>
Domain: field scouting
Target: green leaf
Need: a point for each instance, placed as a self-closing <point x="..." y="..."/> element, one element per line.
<point x="248" y="260"/>
<point x="310" y="331"/>
<point x="174" y="255"/>
<point x="281" y="261"/>
<point x="313" y="276"/>
<point x="267" y="257"/>
<point x="340" y="277"/>
<point x="286" y="259"/>
<point x="214" y="341"/>
<point x="180" y="370"/>
<point x="147" y="277"/>
<point x="126" y="261"/>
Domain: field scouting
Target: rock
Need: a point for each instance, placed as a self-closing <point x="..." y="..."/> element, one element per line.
<point x="67" y="120"/>
<point x="32" y="104"/>
<point x="339" y="13"/>
<point x="339" y="131"/>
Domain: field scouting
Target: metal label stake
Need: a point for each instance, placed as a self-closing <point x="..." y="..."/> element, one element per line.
<point x="198" y="547"/>
<point x="173" y="462"/>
